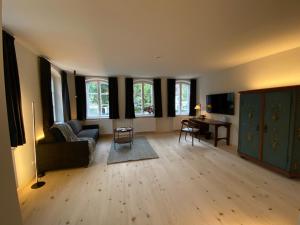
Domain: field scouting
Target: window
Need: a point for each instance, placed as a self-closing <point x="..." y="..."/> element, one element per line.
<point x="56" y="91"/>
<point x="143" y="97"/>
<point x="97" y="98"/>
<point x="182" y="98"/>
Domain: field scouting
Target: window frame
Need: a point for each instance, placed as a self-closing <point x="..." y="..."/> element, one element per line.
<point x="181" y="83"/>
<point x="99" y="97"/>
<point x="56" y="92"/>
<point x="143" y="82"/>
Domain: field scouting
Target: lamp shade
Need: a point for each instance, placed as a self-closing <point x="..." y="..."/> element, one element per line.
<point x="198" y="107"/>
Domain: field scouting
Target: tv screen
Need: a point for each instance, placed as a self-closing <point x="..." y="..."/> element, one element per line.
<point x="220" y="103"/>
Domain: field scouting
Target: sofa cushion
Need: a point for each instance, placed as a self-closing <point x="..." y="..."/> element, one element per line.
<point x="90" y="133"/>
<point x="57" y="135"/>
<point x="75" y="125"/>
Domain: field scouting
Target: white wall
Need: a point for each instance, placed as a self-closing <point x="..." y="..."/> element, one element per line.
<point x="9" y="207"/>
<point x="282" y="69"/>
<point x="30" y="91"/>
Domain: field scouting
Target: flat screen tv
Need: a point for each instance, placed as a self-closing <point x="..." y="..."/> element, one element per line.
<point x="220" y="103"/>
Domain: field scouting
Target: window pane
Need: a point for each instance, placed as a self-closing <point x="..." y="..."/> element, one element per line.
<point x="103" y="88"/>
<point x="56" y="89"/>
<point x="185" y="92"/>
<point x="104" y="99"/>
<point x="93" y="105"/>
<point x="92" y="87"/>
<point x="147" y="93"/>
<point x="97" y="98"/>
<point x="148" y="101"/>
<point x="185" y="98"/>
<point x="137" y="97"/>
<point x="177" y="98"/>
<point x="184" y="107"/>
<point x="182" y="98"/>
<point x="104" y="110"/>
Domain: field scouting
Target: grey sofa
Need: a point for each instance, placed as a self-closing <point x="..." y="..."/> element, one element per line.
<point x="55" y="153"/>
<point x="91" y="131"/>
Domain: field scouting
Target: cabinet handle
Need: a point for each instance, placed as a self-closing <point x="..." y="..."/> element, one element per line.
<point x="265" y="128"/>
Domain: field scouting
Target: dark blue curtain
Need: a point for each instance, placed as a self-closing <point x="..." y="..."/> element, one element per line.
<point x="13" y="93"/>
<point x="80" y="97"/>
<point x="171" y="97"/>
<point x="113" y="98"/>
<point x="65" y="96"/>
<point x="46" y="94"/>
<point x="193" y="97"/>
<point x="157" y="98"/>
<point x="129" y="108"/>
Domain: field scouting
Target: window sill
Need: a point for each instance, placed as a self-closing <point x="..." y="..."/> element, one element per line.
<point x="182" y="115"/>
<point x="97" y="118"/>
<point x="144" y="116"/>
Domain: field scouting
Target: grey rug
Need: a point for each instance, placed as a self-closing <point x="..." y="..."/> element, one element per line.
<point x="141" y="149"/>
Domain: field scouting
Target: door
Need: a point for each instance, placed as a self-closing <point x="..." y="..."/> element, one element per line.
<point x="249" y="135"/>
<point x="277" y="128"/>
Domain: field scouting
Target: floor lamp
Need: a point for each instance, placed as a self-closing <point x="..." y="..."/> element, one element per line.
<point x="38" y="183"/>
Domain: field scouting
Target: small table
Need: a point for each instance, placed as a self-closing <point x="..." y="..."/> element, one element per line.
<point x="123" y="135"/>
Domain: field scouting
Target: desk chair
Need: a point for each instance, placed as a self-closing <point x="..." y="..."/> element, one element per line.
<point x="188" y="127"/>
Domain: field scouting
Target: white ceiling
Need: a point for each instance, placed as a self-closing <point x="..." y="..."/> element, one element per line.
<point x="109" y="37"/>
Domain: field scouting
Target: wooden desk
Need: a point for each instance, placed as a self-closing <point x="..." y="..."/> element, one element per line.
<point x="216" y="124"/>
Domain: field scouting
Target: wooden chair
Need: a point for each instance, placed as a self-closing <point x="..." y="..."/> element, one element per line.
<point x="188" y="127"/>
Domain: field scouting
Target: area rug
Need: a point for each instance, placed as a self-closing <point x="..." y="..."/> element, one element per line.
<point x="140" y="150"/>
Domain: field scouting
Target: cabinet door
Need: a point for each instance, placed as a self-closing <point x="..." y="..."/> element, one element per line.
<point x="277" y="128"/>
<point x="249" y="135"/>
<point x="295" y="166"/>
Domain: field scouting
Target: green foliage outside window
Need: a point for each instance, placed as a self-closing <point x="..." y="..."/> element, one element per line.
<point x="97" y="98"/>
<point x="143" y="98"/>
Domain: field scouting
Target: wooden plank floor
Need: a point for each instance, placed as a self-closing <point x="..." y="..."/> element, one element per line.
<point x="185" y="186"/>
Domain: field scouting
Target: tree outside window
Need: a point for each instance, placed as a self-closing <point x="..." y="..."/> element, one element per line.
<point x="143" y="97"/>
<point x="97" y="98"/>
<point x="182" y="97"/>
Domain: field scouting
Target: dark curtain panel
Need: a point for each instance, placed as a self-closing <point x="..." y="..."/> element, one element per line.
<point x="80" y="97"/>
<point x="171" y="97"/>
<point x="129" y="109"/>
<point x="193" y="97"/>
<point x="113" y="98"/>
<point x="46" y="94"/>
<point x="157" y="98"/>
<point x="12" y="91"/>
<point x="65" y="96"/>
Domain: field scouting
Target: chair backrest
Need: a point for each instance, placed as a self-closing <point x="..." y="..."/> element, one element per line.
<point x="193" y="124"/>
<point x="189" y="124"/>
<point x="184" y="122"/>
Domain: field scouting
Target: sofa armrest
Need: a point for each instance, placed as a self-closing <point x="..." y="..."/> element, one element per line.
<point x="93" y="126"/>
<point x="59" y="155"/>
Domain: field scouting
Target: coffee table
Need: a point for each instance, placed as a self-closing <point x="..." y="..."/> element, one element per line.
<point x="123" y="135"/>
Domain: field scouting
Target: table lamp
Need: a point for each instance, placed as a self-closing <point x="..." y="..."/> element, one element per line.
<point x="198" y="108"/>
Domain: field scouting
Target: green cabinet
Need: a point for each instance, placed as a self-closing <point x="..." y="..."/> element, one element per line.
<point x="249" y="124"/>
<point x="269" y="130"/>
<point x="295" y="158"/>
<point x="277" y="128"/>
